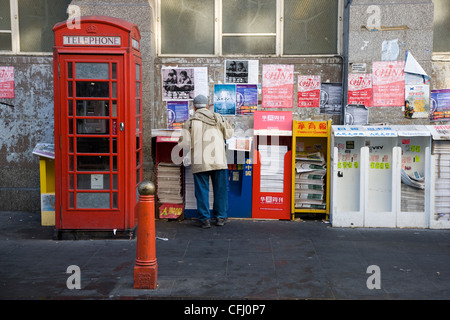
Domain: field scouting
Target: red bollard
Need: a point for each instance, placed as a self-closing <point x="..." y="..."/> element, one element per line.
<point x="146" y="267"/>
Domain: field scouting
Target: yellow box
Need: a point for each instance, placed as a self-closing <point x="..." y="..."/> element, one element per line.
<point x="309" y="137"/>
<point x="47" y="177"/>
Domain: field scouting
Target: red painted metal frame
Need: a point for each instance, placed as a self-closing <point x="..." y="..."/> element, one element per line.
<point x="281" y="211"/>
<point x="129" y="141"/>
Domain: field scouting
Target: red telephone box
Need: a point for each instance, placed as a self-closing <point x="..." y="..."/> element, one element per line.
<point x="98" y="124"/>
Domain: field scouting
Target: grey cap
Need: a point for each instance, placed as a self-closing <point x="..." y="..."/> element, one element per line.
<point x="200" y="101"/>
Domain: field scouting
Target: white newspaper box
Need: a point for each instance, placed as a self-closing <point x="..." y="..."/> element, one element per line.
<point x="381" y="178"/>
<point x="440" y="177"/>
<point x="349" y="155"/>
<point x="413" y="200"/>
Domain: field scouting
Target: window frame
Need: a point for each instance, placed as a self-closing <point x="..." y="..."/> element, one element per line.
<point x="219" y="35"/>
<point x="439" y="55"/>
<point x="15" y="34"/>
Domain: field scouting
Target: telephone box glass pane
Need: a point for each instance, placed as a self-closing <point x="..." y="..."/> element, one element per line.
<point x="93" y="108"/>
<point x="86" y="200"/>
<point x="114" y="90"/>
<point x="114" y="71"/>
<point x="98" y="71"/>
<point x="70" y="89"/>
<point x="115" y="201"/>
<point x="69" y="70"/>
<point x="138" y="72"/>
<point x="70" y="126"/>
<point x="93" y="145"/>
<point x="90" y="89"/>
<point x="93" y="181"/>
<point x="92" y="126"/>
<point x="70" y="108"/>
<point x="93" y="163"/>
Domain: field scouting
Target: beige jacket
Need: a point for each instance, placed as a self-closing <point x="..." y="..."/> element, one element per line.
<point x="205" y="133"/>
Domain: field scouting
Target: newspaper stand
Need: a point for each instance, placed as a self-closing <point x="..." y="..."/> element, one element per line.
<point x="98" y="125"/>
<point x="163" y="159"/>
<point x="382" y="176"/>
<point x="440" y="177"/>
<point x="272" y="160"/>
<point x="413" y="199"/>
<point x="310" y="179"/>
<point x="240" y="171"/>
<point x="347" y="177"/>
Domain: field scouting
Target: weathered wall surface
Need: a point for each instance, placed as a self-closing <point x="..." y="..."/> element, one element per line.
<point x="22" y="126"/>
<point x="410" y="24"/>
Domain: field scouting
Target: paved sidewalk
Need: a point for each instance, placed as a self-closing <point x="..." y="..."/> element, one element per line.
<point x="245" y="259"/>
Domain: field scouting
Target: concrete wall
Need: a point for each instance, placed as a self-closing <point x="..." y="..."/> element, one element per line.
<point x="22" y="126"/>
<point x="411" y="23"/>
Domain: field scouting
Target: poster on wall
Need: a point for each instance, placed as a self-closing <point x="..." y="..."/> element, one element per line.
<point x="241" y="71"/>
<point x="277" y="123"/>
<point x="417" y="101"/>
<point x="246" y="98"/>
<point x="388" y="83"/>
<point x="308" y="91"/>
<point x="183" y="83"/>
<point x="331" y="98"/>
<point x="177" y="114"/>
<point x="225" y="99"/>
<point x="440" y="105"/>
<point x="360" y="89"/>
<point x="277" y="86"/>
<point x="7" y="83"/>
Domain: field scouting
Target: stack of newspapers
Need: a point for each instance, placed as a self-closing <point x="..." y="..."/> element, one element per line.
<point x="412" y="192"/>
<point x="310" y="186"/>
<point x="272" y="167"/>
<point x="169" y="183"/>
<point x="189" y="191"/>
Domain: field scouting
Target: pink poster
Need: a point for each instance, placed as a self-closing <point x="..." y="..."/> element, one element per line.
<point x="277" y="86"/>
<point x="7" y="82"/>
<point x="275" y="122"/>
<point x="388" y="83"/>
<point x="308" y="91"/>
<point x="360" y="89"/>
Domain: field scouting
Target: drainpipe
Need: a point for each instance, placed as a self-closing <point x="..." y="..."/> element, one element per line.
<point x="345" y="45"/>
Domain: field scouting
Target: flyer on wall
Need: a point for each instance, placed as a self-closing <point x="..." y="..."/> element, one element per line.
<point x="7" y="83"/>
<point x="183" y="83"/>
<point x="331" y="98"/>
<point x="241" y="71"/>
<point x="308" y="91"/>
<point x="388" y="83"/>
<point x="360" y="89"/>
<point x="277" y="86"/>
<point x="177" y="114"/>
<point x="417" y="101"/>
<point x="440" y="105"/>
<point x="246" y="98"/>
<point x="225" y="99"/>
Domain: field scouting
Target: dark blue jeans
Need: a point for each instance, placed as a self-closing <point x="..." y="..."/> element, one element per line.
<point x="219" y="179"/>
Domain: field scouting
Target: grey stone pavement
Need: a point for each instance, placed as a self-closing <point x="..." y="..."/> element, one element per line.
<point x="245" y="259"/>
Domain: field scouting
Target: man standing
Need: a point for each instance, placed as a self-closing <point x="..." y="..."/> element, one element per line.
<point x="208" y="132"/>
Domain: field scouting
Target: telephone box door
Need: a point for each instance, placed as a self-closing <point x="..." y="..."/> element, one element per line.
<point x="92" y="141"/>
